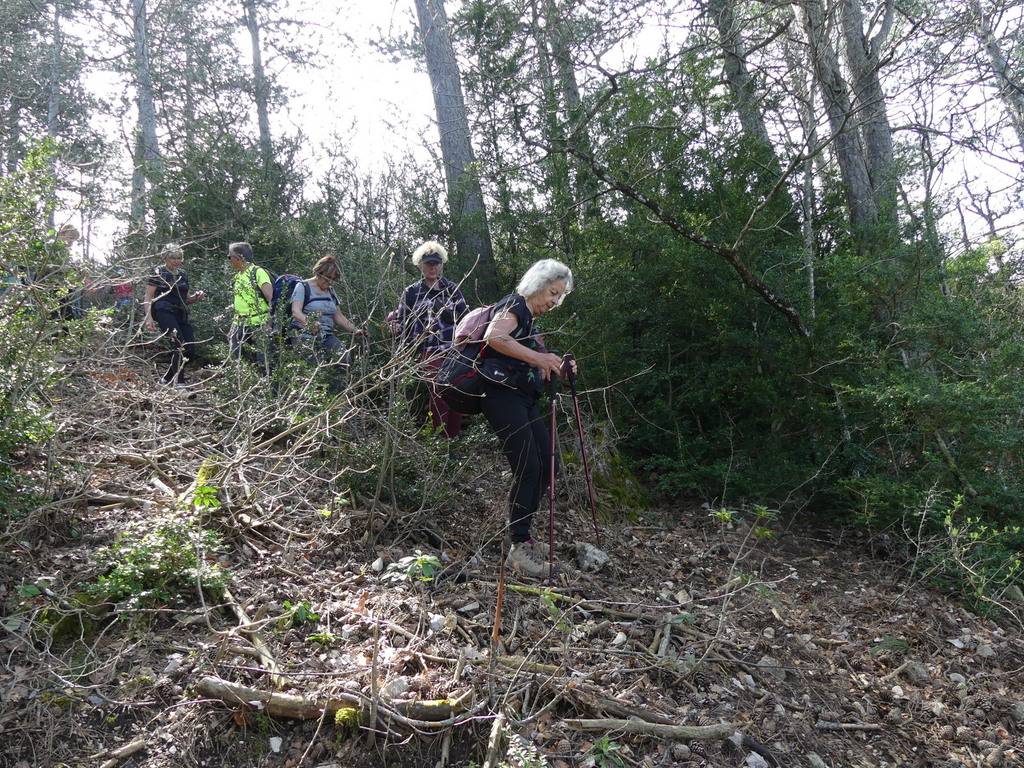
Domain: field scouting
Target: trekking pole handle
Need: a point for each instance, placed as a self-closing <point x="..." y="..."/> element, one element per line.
<point x="567" y="367"/>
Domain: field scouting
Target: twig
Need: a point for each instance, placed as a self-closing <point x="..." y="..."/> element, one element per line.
<point x="246" y="626"/>
<point x="494" y="751"/>
<point x="825" y="725"/>
<point x="119" y="754"/>
<point x="674" y="732"/>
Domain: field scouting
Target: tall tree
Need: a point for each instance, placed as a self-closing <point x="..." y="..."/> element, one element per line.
<point x="148" y="161"/>
<point x="1010" y="86"/>
<point x="261" y="87"/>
<point x="860" y="199"/>
<point x="465" y="196"/>
<point x="864" y="59"/>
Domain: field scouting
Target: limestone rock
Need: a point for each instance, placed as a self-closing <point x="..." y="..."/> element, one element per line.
<point x="589" y="557"/>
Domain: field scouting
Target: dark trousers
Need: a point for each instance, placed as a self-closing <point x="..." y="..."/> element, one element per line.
<point x="524" y="438"/>
<point x="251" y="342"/>
<point x="173" y="321"/>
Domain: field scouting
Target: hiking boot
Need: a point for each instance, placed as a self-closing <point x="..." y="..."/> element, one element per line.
<point x="526" y="560"/>
<point x="540" y="547"/>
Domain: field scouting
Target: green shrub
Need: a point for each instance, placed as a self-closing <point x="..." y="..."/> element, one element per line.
<point x="161" y="565"/>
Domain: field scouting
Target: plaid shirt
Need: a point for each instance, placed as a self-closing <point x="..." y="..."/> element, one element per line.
<point x="428" y="316"/>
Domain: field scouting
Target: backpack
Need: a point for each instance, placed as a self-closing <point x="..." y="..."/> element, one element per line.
<point x="283" y="286"/>
<point x="459" y="381"/>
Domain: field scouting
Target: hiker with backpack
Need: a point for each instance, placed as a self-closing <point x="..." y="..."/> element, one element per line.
<point x="515" y="366"/>
<point x="316" y="312"/>
<point x="166" y="305"/>
<point x="426" y="318"/>
<point x="253" y="292"/>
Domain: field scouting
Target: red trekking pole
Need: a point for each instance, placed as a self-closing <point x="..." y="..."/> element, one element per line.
<point x="553" y="394"/>
<point x="571" y="375"/>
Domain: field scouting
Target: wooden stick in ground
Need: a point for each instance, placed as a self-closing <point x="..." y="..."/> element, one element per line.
<point x="494" y="751"/>
<point x="245" y="625"/>
<point x="673" y="732"/>
<point x="119" y="754"/>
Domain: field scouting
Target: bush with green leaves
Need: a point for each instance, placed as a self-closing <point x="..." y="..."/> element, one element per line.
<point x="166" y="563"/>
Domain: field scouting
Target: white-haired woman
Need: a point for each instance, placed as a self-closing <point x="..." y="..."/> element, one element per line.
<point x="515" y="365"/>
<point x="426" y="319"/>
<point x="166" y="305"/>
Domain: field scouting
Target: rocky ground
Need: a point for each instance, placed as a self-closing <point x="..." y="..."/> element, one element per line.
<point x="772" y="643"/>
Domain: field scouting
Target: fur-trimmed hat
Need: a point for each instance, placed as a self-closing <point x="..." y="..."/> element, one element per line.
<point x="431" y="248"/>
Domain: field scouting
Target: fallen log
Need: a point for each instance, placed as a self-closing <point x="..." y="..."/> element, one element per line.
<point x="298" y="707"/>
<point x="635" y="725"/>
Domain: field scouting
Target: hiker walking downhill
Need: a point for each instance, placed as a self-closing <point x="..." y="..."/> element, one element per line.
<point x="253" y="292"/>
<point x="316" y="312"/>
<point x="426" y="319"/>
<point x="511" y="408"/>
<point x="166" y="305"/>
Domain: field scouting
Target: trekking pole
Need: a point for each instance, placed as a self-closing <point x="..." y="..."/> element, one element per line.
<point x="569" y="360"/>
<point x="552" y="393"/>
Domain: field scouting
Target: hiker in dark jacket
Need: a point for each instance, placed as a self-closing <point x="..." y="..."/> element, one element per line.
<point x="511" y="408"/>
<point x="426" y="318"/>
<point x="166" y="305"/>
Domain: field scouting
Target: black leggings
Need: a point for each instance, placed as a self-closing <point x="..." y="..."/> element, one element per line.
<point x="526" y="443"/>
<point x="182" y="337"/>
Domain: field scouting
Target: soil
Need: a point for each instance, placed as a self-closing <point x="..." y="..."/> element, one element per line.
<point x="804" y="641"/>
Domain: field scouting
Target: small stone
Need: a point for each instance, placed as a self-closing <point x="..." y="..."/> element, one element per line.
<point x="589" y="557"/>
<point x="395" y="687"/>
<point x="897" y="692"/>
<point x="947" y="733"/>
<point x="917" y="673"/>
<point x="1017" y="711"/>
<point x="957" y="679"/>
<point x="815" y="760"/>
<point x="683" y="597"/>
<point x="754" y="760"/>
<point x="620" y="639"/>
<point x="470" y="607"/>
<point x="985" y="651"/>
<point x="347" y="630"/>
<point x="436" y="621"/>
<point x="935" y="707"/>
<point x="771" y="666"/>
<point x="94" y="699"/>
<point x="378" y="565"/>
<point x="173" y="665"/>
<point x="275" y="744"/>
<point x="768" y="634"/>
<point x="680" y="752"/>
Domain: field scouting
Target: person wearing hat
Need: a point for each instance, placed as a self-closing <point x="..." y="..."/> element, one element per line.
<point x="426" y="318"/>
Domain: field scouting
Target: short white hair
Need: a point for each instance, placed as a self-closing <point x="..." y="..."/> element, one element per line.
<point x="172" y="251"/>
<point x="431" y="246"/>
<point x="542" y="274"/>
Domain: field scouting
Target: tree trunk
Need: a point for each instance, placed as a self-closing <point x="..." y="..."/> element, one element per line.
<point x="558" y="165"/>
<point x="1011" y="92"/>
<point x="852" y="165"/>
<point x="587" y="189"/>
<point x="13" y="136"/>
<point x="862" y="58"/>
<point x="261" y="90"/>
<point x="148" y="162"/>
<point x="465" y="197"/>
<point x="53" y="105"/>
<point x="743" y="89"/>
